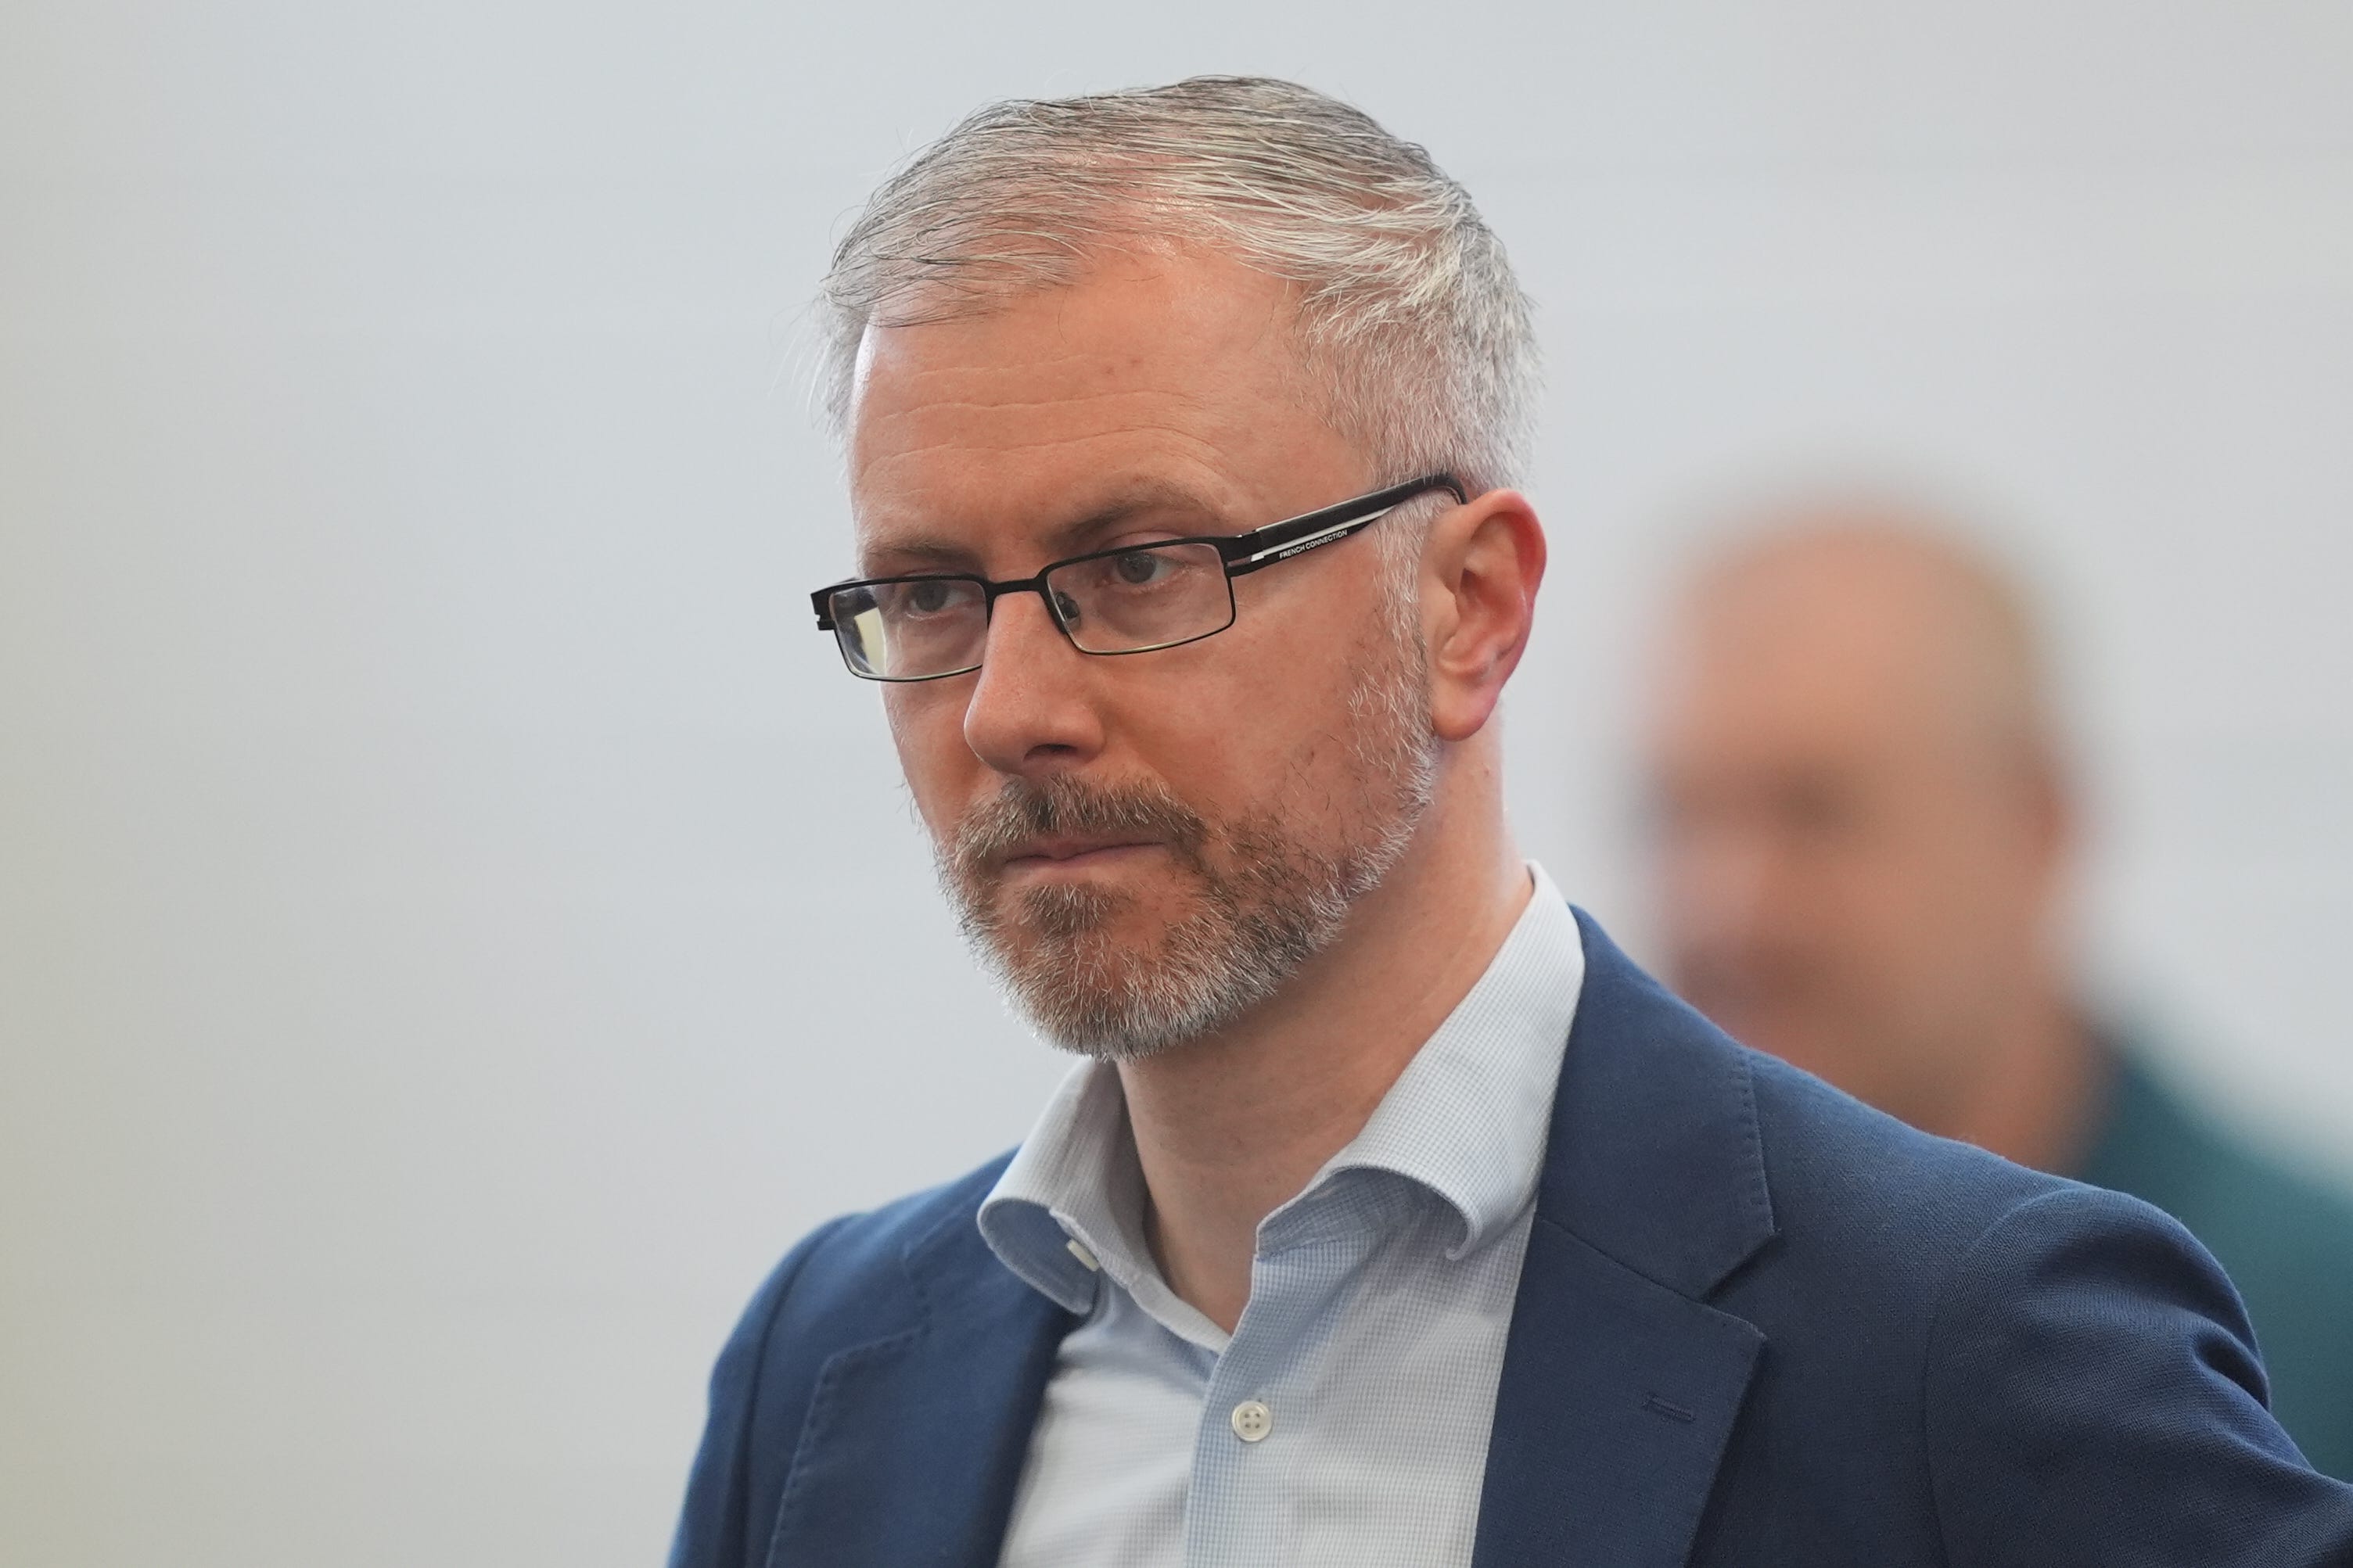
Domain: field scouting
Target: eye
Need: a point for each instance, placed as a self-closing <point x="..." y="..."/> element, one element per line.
<point x="1138" y="568"/>
<point x="928" y="598"/>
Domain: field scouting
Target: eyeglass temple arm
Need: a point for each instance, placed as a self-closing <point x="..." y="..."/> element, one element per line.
<point x="1279" y="541"/>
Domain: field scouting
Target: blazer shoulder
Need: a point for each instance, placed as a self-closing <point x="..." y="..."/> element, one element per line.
<point x="1709" y="1167"/>
<point x="1959" y="1245"/>
<point x="1879" y="1225"/>
<point x="854" y="1279"/>
<point x="1837" y="1164"/>
<point x="2093" y="1387"/>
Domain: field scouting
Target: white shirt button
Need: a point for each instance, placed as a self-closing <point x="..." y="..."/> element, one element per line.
<point x="1252" y="1421"/>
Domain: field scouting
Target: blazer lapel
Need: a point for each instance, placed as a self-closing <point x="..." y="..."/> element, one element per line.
<point x="914" y="1443"/>
<point x="1620" y="1385"/>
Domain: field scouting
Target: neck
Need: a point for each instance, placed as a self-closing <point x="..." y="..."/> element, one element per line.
<point x="2034" y="1101"/>
<point x="1230" y="1127"/>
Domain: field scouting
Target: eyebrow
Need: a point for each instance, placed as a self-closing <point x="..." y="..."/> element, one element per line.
<point x="1076" y="537"/>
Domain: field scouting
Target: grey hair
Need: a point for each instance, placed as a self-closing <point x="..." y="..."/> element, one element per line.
<point x="1407" y="307"/>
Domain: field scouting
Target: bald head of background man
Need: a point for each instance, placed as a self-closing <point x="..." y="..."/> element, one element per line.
<point x="1864" y="828"/>
<point x="1864" y="831"/>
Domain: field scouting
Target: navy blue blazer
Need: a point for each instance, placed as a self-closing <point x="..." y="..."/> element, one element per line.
<point x="1758" y="1324"/>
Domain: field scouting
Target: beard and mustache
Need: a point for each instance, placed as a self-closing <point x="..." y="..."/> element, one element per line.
<point x="1264" y="894"/>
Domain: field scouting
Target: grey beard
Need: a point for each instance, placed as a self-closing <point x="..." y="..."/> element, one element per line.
<point x="1284" y="901"/>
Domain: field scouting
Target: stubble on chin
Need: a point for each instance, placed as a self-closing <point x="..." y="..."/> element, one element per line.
<point x="1108" y="973"/>
<point x="1084" y="960"/>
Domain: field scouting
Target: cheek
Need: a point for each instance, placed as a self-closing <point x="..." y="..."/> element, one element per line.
<point x="1258" y="751"/>
<point x="1218" y="762"/>
<point x="1200" y="710"/>
<point x="926" y="724"/>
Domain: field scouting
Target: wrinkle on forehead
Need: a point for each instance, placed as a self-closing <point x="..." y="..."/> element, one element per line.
<point x="1254" y="315"/>
<point x="911" y="495"/>
<point x="1005" y="423"/>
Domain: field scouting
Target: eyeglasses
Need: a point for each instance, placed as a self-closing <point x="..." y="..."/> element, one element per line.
<point x="1136" y="598"/>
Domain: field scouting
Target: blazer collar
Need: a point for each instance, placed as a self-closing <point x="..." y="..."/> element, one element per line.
<point x="1655" y="1159"/>
<point x="1620" y="1385"/>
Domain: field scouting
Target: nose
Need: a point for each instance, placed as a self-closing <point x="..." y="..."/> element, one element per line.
<point x="1031" y="710"/>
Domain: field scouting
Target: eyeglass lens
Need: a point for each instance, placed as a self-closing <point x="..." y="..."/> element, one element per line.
<point x="1150" y="597"/>
<point x="1143" y="598"/>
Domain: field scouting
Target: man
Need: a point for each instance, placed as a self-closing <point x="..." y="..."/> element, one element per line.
<point x="1393" y="1218"/>
<point x="1864" y="835"/>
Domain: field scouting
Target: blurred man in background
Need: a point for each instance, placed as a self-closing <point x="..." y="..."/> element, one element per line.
<point x="1865" y="831"/>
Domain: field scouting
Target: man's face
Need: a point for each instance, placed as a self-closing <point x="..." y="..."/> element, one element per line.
<point x="1143" y="844"/>
<point x="1853" y="863"/>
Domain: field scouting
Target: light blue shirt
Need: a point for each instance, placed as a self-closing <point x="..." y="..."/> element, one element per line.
<point x="1344" y="1424"/>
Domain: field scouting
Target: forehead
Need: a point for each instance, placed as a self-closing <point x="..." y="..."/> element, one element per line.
<point x="1805" y="648"/>
<point x="1170" y="375"/>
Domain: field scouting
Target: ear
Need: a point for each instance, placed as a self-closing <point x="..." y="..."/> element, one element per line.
<point x="1481" y="567"/>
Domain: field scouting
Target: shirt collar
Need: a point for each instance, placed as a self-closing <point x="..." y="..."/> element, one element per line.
<point x="1466" y="1120"/>
<point x="1071" y="1201"/>
<point x="1467" y="1117"/>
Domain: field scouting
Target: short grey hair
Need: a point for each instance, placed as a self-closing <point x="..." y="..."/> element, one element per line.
<point x="1407" y="310"/>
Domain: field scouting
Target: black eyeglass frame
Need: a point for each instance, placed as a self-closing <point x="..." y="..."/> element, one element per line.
<point x="1241" y="555"/>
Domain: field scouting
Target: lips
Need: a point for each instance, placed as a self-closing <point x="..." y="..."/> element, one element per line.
<point x="1063" y="827"/>
<point x="1068" y="850"/>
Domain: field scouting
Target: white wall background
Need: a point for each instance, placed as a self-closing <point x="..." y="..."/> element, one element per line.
<point x="457" y="923"/>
